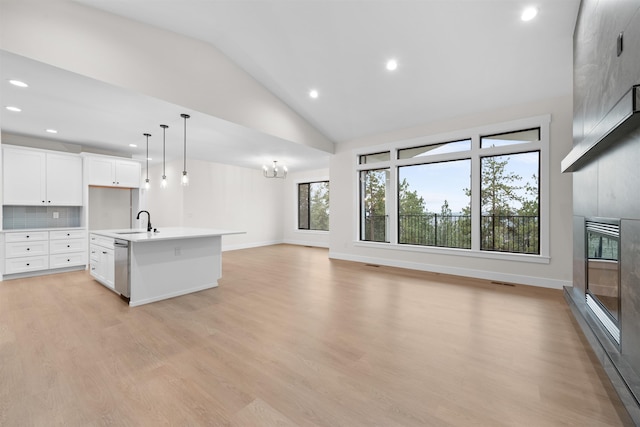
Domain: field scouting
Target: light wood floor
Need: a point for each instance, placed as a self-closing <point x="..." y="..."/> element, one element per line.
<point x="291" y="338"/>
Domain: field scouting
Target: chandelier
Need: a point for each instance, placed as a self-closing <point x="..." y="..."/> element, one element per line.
<point x="274" y="171"/>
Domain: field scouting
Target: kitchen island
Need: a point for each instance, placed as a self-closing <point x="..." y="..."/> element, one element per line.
<point x="163" y="264"/>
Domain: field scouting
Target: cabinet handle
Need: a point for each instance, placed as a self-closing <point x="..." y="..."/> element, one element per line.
<point x="27" y="236"/>
<point x="104" y="252"/>
<point x="28" y="249"/>
<point x="68" y="260"/>
<point x="28" y="264"/>
<point x="49" y="201"/>
<point x="43" y="201"/>
<point x="68" y="234"/>
<point x="68" y="246"/>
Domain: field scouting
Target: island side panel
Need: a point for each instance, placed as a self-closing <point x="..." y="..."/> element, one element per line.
<point x="167" y="268"/>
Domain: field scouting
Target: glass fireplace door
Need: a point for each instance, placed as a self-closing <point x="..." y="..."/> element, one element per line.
<point x="603" y="267"/>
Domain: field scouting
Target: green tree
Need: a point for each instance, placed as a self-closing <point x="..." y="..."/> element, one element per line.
<point x="499" y="189"/>
<point x="319" y="205"/>
<point x="530" y="213"/>
<point x="414" y="223"/>
<point x="505" y="207"/>
<point x="374" y="204"/>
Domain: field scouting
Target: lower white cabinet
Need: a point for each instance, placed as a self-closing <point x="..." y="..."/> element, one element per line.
<point x="101" y="252"/>
<point x="32" y="251"/>
<point x="67" y="248"/>
<point x="26" y="251"/>
<point x="26" y="264"/>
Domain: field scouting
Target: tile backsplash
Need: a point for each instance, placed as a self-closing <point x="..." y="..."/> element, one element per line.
<point x="20" y="217"/>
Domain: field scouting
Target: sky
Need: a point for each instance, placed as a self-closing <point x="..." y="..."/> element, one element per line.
<point x="437" y="182"/>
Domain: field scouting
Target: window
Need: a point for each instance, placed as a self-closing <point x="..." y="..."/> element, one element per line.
<point x="433" y="149"/>
<point x="373" y="205"/>
<point x="434" y="204"/>
<point x="510" y="138"/>
<point x="313" y="206"/>
<point x="510" y="196"/>
<point x="481" y="192"/>
<point x="375" y="158"/>
<point x="510" y="203"/>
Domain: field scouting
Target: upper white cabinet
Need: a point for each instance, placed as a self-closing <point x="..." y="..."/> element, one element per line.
<point x="110" y="172"/>
<point x="34" y="177"/>
<point x="64" y="180"/>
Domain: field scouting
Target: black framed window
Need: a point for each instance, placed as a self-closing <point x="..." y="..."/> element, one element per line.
<point x="482" y="190"/>
<point x="313" y="206"/>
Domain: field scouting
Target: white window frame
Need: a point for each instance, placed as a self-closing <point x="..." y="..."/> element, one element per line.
<point x="476" y="153"/>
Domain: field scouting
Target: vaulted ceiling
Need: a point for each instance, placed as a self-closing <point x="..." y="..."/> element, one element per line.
<point x="455" y="57"/>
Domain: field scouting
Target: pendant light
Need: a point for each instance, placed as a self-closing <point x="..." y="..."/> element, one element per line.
<point x="163" y="183"/>
<point x="185" y="177"/>
<point x="146" y="181"/>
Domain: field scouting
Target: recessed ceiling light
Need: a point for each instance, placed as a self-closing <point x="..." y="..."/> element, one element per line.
<point x="392" y="64"/>
<point x="12" y="108"/>
<point x="313" y="93"/>
<point x="52" y="131"/>
<point x="18" y="83"/>
<point x="132" y="145"/>
<point x="529" y="13"/>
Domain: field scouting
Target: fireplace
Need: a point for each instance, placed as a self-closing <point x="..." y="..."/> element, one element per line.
<point x="602" y="247"/>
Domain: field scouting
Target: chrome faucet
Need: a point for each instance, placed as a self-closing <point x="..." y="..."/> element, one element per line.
<point x="148" y="219"/>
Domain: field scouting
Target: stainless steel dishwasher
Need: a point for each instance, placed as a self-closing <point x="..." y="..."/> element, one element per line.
<point x="122" y="279"/>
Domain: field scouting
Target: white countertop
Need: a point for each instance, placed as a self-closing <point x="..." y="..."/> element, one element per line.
<point x="169" y="233"/>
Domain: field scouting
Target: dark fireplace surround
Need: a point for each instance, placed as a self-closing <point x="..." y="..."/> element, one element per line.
<point x="606" y="284"/>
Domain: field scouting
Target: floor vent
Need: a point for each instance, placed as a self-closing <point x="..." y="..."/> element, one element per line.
<point x="504" y="284"/>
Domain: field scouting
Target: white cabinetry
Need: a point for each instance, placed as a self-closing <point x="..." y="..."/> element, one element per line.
<point x="101" y="251"/>
<point x="110" y="172"/>
<point x="27" y="251"/>
<point x="67" y="248"/>
<point x="64" y="180"/>
<point x="35" y="177"/>
<point x="24" y="177"/>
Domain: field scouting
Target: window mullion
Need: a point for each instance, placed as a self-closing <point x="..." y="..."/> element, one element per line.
<point x="476" y="208"/>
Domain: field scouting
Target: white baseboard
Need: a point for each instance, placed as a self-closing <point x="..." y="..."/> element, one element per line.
<point x="306" y="243"/>
<point x="249" y="245"/>
<point x="541" y="282"/>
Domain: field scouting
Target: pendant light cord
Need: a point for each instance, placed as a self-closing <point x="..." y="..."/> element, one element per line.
<point x="185" y="117"/>
<point x="147" y="135"/>
<point x="164" y="132"/>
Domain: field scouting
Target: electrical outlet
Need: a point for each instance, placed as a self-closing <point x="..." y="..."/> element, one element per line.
<point x="56" y="215"/>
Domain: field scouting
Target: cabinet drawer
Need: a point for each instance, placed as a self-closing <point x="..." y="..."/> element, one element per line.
<point x="21" y="265"/>
<point x="23" y="249"/>
<point x="26" y="236"/>
<point x="96" y="239"/>
<point x="94" y="252"/>
<point x="65" y="246"/>
<point x="66" y="234"/>
<point x="67" y="260"/>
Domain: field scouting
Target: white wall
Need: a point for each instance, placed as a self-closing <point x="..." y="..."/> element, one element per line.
<point x="557" y="273"/>
<point x="219" y="196"/>
<point x="109" y="208"/>
<point x="290" y="203"/>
